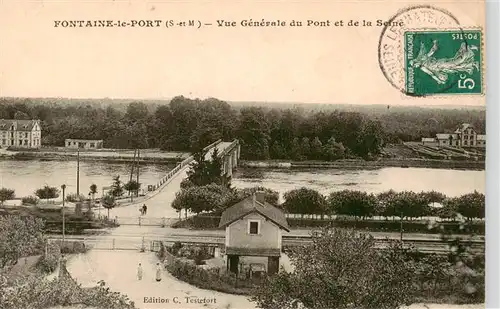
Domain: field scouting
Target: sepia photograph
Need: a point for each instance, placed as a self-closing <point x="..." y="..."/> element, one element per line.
<point x="243" y="155"/>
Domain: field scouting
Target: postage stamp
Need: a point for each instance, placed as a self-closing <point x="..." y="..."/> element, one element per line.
<point x="443" y="62"/>
<point x="425" y="51"/>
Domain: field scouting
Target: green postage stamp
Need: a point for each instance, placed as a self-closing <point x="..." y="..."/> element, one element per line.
<point x="443" y="62"/>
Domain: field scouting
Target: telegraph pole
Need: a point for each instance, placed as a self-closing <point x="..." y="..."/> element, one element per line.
<point x="137" y="168"/>
<point x="63" y="187"/>
<point x="78" y="172"/>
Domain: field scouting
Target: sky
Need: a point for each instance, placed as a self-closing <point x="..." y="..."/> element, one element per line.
<point x="300" y="64"/>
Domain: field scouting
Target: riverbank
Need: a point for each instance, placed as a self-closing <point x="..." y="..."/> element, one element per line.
<point x="363" y="164"/>
<point x="147" y="156"/>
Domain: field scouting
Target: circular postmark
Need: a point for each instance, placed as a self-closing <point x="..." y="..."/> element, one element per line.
<point x="391" y="48"/>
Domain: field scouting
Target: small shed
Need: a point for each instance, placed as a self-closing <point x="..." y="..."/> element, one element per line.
<point x="253" y="234"/>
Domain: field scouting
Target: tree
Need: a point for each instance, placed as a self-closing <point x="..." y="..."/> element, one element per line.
<point x="203" y="172"/>
<point x="200" y="199"/>
<point x="305" y="148"/>
<point x="198" y="170"/>
<point x="333" y="150"/>
<point x="304" y="201"/>
<point x="316" y="149"/>
<point x="471" y="205"/>
<point x="47" y="192"/>
<point x="116" y="187"/>
<point x="133" y="188"/>
<point x="6" y="194"/>
<point x="345" y="270"/>
<point x="93" y="191"/>
<point x="352" y="203"/>
<point x="108" y="202"/>
<point x="19" y="237"/>
<point x="409" y="204"/>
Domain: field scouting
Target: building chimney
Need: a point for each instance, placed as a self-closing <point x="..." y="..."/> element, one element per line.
<point x="260" y="196"/>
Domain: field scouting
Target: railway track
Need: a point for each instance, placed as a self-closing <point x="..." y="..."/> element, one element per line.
<point x="117" y="242"/>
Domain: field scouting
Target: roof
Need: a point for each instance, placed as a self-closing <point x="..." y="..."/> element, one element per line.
<point x="428" y="139"/>
<point x="21" y="125"/>
<point x="250" y="205"/>
<point x="464" y="127"/>
<point x="84" y="140"/>
<point x="481" y="137"/>
<point x="253" y="251"/>
<point x="446" y="136"/>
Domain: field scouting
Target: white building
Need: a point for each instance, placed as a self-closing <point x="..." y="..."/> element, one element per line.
<point x="20" y="133"/>
<point x="83" y="143"/>
<point x="464" y="136"/>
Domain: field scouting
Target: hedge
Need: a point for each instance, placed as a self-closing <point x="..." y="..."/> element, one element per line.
<point x="212" y="222"/>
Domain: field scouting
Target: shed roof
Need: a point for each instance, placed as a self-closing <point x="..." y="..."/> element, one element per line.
<point x="446" y="136"/>
<point x="253" y="251"/>
<point x="250" y="205"/>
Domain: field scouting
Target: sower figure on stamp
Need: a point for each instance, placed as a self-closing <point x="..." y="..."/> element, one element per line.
<point x="158" y="272"/>
<point x="139" y="272"/>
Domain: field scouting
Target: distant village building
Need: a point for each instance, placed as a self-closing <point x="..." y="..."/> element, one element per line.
<point x="83" y="143"/>
<point x="464" y="136"/>
<point x="253" y="235"/>
<point x="20" y="133"/>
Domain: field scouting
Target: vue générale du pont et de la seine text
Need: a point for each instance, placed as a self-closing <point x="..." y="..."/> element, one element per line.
<point x="221" y="23"/>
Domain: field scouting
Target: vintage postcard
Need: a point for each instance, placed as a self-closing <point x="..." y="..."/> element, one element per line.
<point x="239" y="155"/>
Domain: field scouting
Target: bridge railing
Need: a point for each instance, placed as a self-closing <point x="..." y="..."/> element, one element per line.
<point x="229" y="148"/>
<point x="179" y="167"/>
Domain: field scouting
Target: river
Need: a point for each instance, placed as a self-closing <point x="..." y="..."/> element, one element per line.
<point x="26" y="176"/>
<point x="447" y="181"/>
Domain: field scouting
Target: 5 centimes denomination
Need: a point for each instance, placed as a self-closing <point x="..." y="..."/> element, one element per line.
<point x="391" y="55"/>
<point x="443" y="62"/>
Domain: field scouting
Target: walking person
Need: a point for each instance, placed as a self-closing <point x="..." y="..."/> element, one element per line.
<point x="139" y="272"/>
<point x="158" y="272"/>
<point x="145" y="208"/>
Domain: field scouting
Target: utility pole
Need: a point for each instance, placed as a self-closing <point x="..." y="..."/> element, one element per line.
<point x="401" y="227"/>
<point x="137" y="169"/>
<point x="63" y="187"/>
<point x="78" y="172"/>
<point x="133" y="163"/>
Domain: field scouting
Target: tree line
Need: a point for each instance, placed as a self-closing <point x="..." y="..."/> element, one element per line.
<point x="215" y="199"/>
<point x="186" y="124"/>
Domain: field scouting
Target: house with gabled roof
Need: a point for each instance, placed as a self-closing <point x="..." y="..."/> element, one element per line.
<point x="253" y="234"/>
<point x="20" y="133"/>
<point x="464" y="136"/>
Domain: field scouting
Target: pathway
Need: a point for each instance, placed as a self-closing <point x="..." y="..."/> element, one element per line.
<point x="118" y="268"/>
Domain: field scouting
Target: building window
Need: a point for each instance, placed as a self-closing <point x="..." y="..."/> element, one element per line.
<point x="26" y="135"/>
<point x="253" y="227"/>
<point x="92" y="145"/>
<point x="465" y="142"/>
<point x="3" y="141"/>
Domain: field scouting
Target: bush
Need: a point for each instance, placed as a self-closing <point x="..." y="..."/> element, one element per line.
<point x="176" y="247"/>
<point x="210" y="279"/>
<point x="73" y="198"/>
<point x="30" y="200"/>
<point x="48" y="262"/>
